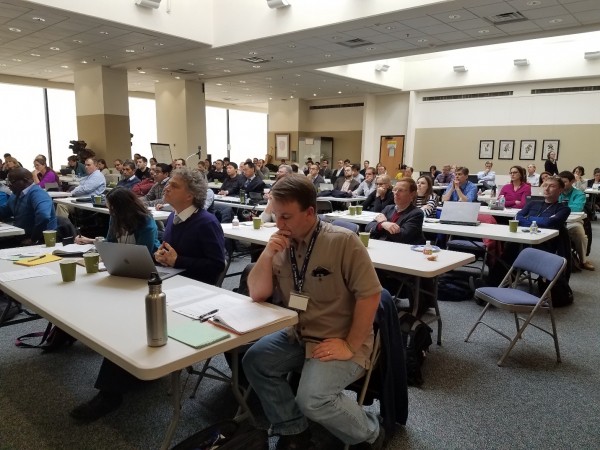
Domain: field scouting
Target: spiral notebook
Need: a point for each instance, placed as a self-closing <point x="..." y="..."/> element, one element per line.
<point x="196" y="334"/>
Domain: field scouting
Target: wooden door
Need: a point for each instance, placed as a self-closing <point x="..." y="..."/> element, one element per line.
<point x="391" y="153"/>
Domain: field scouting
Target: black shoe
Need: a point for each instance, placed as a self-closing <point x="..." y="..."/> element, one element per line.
<point x="377" y="444"/>
<point x="99" y="406"/>
<point x="299" y="441"/>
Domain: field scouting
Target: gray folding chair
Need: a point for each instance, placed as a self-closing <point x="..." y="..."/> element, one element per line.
<point x="509" y="298"/>
<point x="345" y="224"/>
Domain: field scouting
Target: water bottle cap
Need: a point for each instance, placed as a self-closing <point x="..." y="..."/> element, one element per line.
<point x="154" y="279"/>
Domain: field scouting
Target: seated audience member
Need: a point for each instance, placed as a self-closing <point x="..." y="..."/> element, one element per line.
<point x="142" y="170"/>
<point x="460" y="189"/>
<point x="143" y="187"/>
<point x="381" y="197"/>
<point x="30" y="208"/>
<point x="426" y="199"/>
<point x="178" y="163"/>
<point x="547" y="213"/>
<point x="102" y="167"/>
<point x="346" y="183"/>
<point x="401" y="170"/>
<point x="162" y="172"/>
<point x="334" y="338"/>
<point x="368" y="185"/>
<point x="314" y="177"/>
<point x="194" y="241"/>
<point x="218" y="173"/>
<point x="10" y="163"/>
<point x="267" y="215"/>
<point x="152" y="161"/>
<point x="487" y="177"/>
<point x="580" y="182"/>
<point x="433" y="172"/>
<point x="516" y="192"/>
<point x="295" y="168"/>
<point x="261" y="171"/>
<point x="129" y="179"/>
<point x="77" y="168"/>
<point x="381" y="170"/>
<point x="232" y="184"/>
<point x="44" y="173"/>
<point x="366" y="164"/>
<point x="576" y="202"/>
<point x="92" y="184"/>
<point x="532" y="177"/>
<point x="252" y="182"/>
<point x="325" y="171"/>
<point x="445" y="177"/>
<point x="130" y="221"/>
<point x="201" y="168"/>
<point x="544" y="176"/>
<point x="356" y="173"/>
<point x="338" y="172"/>
<point x="118" y="165"/>
<point x="595" y="180"/>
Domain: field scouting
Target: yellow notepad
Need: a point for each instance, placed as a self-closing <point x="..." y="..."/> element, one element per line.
<point x="37" y="260"/>
<point x="196" y="334"/>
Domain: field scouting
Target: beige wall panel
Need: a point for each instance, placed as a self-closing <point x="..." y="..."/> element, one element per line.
<point x="107" y="135"/>
<point x="460" y="145"/>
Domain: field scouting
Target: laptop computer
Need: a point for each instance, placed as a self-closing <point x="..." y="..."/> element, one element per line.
<point x="460" y="213"/>
<point x="132" y="261"/>
<point x="537" y="191"/>
<point x="326" y="186"/>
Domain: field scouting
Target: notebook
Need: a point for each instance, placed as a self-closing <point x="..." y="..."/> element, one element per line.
<point x="460" y="213"/>
<point x="197" y="334"/>
<point x="249" y="316"/>
<point x="132" y="261"/>
<point x="37" y="260"/>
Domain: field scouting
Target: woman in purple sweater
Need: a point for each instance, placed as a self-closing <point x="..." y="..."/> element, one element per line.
<point x="516" y="192"/>
<point x="44" y="173"/>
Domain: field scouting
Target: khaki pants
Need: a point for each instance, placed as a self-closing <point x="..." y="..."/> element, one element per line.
<point x="578" y="239"/>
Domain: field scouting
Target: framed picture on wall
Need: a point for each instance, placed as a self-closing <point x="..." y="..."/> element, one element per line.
<point x="527" y="149"/>
<point x="486" y="149"/>
<point x="282" y="146"/>
<point x="506" y="149"/>
<point x="550" y="145"/>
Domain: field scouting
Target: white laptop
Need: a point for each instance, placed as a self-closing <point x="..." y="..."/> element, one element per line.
<point x="325" y="186"/>
<point x="596" y="186"/>
<point x="460" y="213"/>
<point x="132" y="261"/>
<point x="537" y="191"/>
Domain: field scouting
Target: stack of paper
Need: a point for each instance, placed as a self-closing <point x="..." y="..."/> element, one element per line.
<point x="249" y="316"/>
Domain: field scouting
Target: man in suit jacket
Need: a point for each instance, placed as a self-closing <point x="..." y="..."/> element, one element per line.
<point x="381" y="197"/>
<point x="314" y="176"/>
<point x="253" y="183"/>
<point x="339" y="172"/>
<point x="346" y="183"/>
<point x="325" y="171"/>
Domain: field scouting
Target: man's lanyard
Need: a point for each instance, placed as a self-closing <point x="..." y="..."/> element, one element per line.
<point x="299" y="276"/>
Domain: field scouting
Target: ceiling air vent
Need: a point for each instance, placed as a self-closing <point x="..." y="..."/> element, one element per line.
<point x="467" y="96"/>
<point x="564" y="90"/>
<point x="355" y="43"/>
<point x="502" y="19"/>
<point x="344" y="105"/>
<point x="184" y="72"/>
<point x="254" y="60"/>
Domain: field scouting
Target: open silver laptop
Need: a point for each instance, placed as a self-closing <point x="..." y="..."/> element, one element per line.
<point x="132" y="261"/>
<point x="537" y="191"/>
<point x="460" y="213"/>
<point x="326" y="186"/>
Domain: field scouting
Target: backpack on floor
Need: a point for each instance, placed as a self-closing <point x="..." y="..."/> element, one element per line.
<point x="8" y="309"/>
<point x="416" y="335"/>
<point x="226" y="435"/>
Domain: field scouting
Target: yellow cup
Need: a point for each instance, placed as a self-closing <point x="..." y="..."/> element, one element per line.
<point x="364" y="238"/>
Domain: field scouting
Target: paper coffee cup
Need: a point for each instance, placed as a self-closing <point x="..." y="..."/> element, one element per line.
<point x="513" y="225"/>
<point x="91" y="261"/>
<point x="256" y="222"/>
<point x="352" y="210"/>
<point x="50" y="238"/>
<point x="67" y="270"/>
<point x="364" y="238"/>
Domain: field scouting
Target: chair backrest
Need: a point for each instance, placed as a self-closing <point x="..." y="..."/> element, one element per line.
<point x="222" y="275"/>
<point x="348" y="225"/>
<point x="546" y="264"/>
<point x="324" y="206"/>
<point x="51" y="186"/>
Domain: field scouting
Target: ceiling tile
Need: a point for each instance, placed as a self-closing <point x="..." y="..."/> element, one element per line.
<point x="541" y="13"/>
<point x="580" y="6"/>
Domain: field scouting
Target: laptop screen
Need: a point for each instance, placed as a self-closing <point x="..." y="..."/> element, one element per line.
<point x="460" y="212"/>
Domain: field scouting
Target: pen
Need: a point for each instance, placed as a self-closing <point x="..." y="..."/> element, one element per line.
<point x="35" y="259"/>
<point x="206" y="316"/>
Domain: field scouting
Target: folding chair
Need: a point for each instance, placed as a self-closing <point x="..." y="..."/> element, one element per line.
<point x="348" y="225"/>
<point x="324" y="206"/>
<point x="509" y="298"/>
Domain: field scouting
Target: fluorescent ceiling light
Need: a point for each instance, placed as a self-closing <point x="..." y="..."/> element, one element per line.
<point x="273" y="4"/>
<point x="521" y="62"/>
<point x="382" y="67"/>
<point x="460" y="69"/>
<point x="591" y="55"/>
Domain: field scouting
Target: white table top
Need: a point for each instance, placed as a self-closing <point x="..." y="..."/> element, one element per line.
<point x="592" y="191"/>
<point x="512" y="212"/>
<point x="158" y="215"/>
<point x="384" y="255"/>
<point x="361" y="219"/>
<point x="234" y="202"/>
<point x="7" y="230"/>
<point x="58" y="194"/>
<point x="491" y="231"/>
<point x="358" y="199"/>
<point x="107" y="314"/>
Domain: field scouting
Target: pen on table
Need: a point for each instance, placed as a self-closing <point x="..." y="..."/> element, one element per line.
<point x="35" y="259"/>
<point x="206" y="316"/>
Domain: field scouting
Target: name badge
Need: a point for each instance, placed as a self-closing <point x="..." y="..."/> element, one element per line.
<point x="298" y="301"/>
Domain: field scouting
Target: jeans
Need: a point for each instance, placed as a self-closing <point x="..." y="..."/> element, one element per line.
<point x="319" y="398"/>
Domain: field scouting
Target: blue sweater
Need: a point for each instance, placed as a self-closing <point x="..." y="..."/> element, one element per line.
<point x="200" y="246"/>
<point x="33" y="211"/>
<point x="146" y="235"/>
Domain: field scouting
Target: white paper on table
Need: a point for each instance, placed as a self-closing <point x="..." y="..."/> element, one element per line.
<point x="206" y="305"/>
<point x="13" y="254"/>
<point x="75" y="248"/>
<point x="185" y="294"/>
<point x="32" y="272"/>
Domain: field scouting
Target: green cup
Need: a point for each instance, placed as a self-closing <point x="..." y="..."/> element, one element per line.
<point x="364" y="238"/>
<point x="352" y="210"/>
<point x="50" y="238"/>
<point x="513" y="225"/>
<point x="91" y="261"/>
<point x="256" y="223"/>
<point x="358" y="210"/>
<point x="67" y="269"/>
<point x="98" y="199"/>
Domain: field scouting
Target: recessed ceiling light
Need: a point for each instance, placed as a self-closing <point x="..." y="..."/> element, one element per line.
<point x="34" y="54"/>
<point x="225" y="91"/>
<point x="141" y="71"/>
<point x="335" y="37"/>
<point x="242" y="82"/>
<point x="78" y="41"/>
<point x="327" y="55"/>
<point x="83" y="61"/>
<point x="47" y="70"/>
<point x="248" y="95"/>
<point x="245" y="89"/>
<point x="156" y="81"/>
<point x="178" y="78"/>
<point x="483" y="31"/>
<point x="16" y="60"/>
<point x="14" y="30"/>
<point x="164" y="68"/>
<point x="65" y="67"/>
<point x="339" y="92"/>
<point x="256" y="67"/>
<point x="105" y="56"/>
<point x="534" y="3"/>
<point x="292" y="46"/>
<point x="218" y="58"/>
<point x="314" y="95"/>
<point x="390" y="27"/>
<point x="129" y="50"/>
<point x="159" y="44"/>
<point x="270" y="98"/>
<point x="370" y="48"/>
<point x="191" y="64"/>
<point x="291" y="96"/>
<point x="55" y="49"/>
<point x="296" y="84"/>
<point x="226" y="70"/>
<point x="268" y="78"/>
<point x="200" y="74"/>
<point x="454" y="16"/>
<point x="2" y="65"/>
<point x="106" y="33"/>
<point x="555" y="21"/>
<point x="420" y="41"/>
<point x="297" y="75"/>
<point x="252" y="53"/>
<point x="219" y="84"/>
<point x="38" y="19"/>
<point x="290" y="61"/>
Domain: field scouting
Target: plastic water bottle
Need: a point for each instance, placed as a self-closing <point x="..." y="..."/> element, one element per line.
<point x="235" y="223"/>
<point x="533" y="228"/>
<point x="156" y="312"/>
<point x="428" y="249"/>
<point x="501" y="201"/>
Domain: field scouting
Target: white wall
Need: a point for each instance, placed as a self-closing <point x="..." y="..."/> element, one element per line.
<point x="338" y="119"/>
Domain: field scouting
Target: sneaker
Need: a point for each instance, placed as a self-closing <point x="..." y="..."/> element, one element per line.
<point x="588" y="266"/>
<point x="377" y="444"/>
<point x="299" y="441"/>
<point x="99" y="406"/>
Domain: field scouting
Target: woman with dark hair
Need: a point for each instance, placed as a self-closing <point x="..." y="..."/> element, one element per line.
<point x="543" y="177"/>
<point x="550" y="164"/>
<point x="580" y="182"/>
<point x="44" y="174"/>
<point x="516" y="192"/>
<point x="433" y="172"/>
<point x="130" y="221"/>
<point x="102" y="167"/>
<point x="427" y="200"/>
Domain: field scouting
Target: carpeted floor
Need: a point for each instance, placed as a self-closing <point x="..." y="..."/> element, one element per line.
<point x="467" y="402"/>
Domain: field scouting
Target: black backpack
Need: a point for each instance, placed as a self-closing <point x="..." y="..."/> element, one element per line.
<point x="416" y="336"/>
<point x="226" y="435"/>
<point x="8" y="308"/>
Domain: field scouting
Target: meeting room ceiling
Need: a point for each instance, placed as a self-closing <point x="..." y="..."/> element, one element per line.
<point x="50" y="44"/>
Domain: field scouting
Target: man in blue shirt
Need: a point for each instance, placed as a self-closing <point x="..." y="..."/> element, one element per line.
<point x="576" y="201"/>
<point x="129" y="177"/>
<point x="460" y="189"/>
<point x="93" y="184"/>
<point x="31" y="207"/>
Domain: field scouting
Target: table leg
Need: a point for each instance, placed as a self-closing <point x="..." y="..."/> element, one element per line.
<point x="417" y="294"/>
<point x="176" y="396"/>
<point x="239" y="393"/>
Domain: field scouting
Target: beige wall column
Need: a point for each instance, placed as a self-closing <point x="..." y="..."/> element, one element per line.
<point x="286" y="117"/>
<point x="101" y="99"/>
<point x="181" y="118"/>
